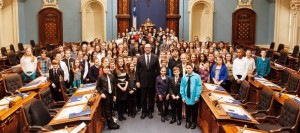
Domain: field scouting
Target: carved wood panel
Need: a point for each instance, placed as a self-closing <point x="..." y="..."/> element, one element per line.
<point x="173" y="16"/>
<point x="123" y="15"/>
<point x="243" y="27"/>
<point x="50" y="26"/>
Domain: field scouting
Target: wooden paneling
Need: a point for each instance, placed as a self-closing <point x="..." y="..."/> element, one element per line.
<point x="50" y="26"/>
<point x="243" y="27"/>
<point x="173" y="16"/>
<point x="123" y="15"/>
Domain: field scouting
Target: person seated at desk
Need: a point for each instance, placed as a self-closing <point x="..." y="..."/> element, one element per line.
<point x="263" y="67"/>
<point x="106" y="87"/>
<point x="28" y="64"/>
<point x="219" y="73"/>
<point x="54" y="74"/>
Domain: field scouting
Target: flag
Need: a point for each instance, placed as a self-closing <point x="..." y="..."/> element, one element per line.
<point x="134" y="24"/>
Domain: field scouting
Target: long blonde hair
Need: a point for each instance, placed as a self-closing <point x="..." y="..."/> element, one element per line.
<point x="31" y="55"/>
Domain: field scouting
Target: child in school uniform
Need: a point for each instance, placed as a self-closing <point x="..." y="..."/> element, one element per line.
<point x="190" y="91"/>
<point x="107" y="89"/>
<point x="131" y="97"/>
<point x="175" y="98"/>
<point x="77" y="70"/>
<point x="162" y="85"/>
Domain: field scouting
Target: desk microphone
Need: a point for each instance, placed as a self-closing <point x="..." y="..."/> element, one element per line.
<point x="280" y="93"/>
<point x="209" y="94"/>
<point x="215" y="102"/>
<point x="242" y="130"/>
<point x="21" y="94"/>
<point x="90" y="103"/>
<point x="10" y="103"/>
<point x="275" y="61"/>
<point x="295" y="97"/>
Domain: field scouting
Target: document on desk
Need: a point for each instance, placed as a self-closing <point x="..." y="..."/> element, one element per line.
<point x="87" y="87"/>
<point x="5" y="100"/>
<point x="226" y="98"/>
<point x="213" y="87"/>
<point x="65" y="113"/>
<point x="236" y="112"/>
<point x="246" y="130"/>
<point x="4" y="107"/>
<point x="36" y="82"/>
<point x="82" y="99"/>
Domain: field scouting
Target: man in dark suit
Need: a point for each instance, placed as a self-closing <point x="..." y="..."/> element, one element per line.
<point x="147" y="69"/>
<point x="54" y="74"/>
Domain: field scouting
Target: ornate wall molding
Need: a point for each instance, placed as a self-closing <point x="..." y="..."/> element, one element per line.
<point x="210" y="10"/>
<point x="244" y="4"/>
<point x="84" y="11"/>
<point x="294" y="15"/>
<point x="50" y="3"/>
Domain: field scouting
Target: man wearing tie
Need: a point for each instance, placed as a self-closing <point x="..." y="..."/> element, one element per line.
<point x="147" y="69"/>
<point x="190" y="91"/>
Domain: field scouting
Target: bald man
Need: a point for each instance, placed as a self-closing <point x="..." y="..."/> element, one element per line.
<point x="147" y="69"/>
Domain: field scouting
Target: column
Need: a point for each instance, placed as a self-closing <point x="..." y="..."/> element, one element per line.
<point x="1" y="30"/>
<point x="294" y="24"/>
<point x="173" y="16"/>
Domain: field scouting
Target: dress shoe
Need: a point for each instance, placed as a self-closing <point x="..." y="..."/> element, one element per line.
<point x="150" y="115"/>
<point x="133" y="115"/>
<point x="129" y="114"/>
<point x="162" y="119"/>
<point x="123" y="117"/>
<point x="113" y="125"/>
<point x="188" y="125"/>
<point x="193" y="126"/>
<point x="178" y="122"/>
<point x="120" y="118"/>
<point x="138" y="110"/>
<point x="172" y="121"/>
<point x="143" y="116"/>
<point x="166" y="118"/>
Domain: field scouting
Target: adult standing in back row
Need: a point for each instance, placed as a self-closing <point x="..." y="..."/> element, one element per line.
<point x="147" y="69"/>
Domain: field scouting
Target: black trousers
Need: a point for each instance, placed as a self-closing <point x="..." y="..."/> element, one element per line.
<point x="138" y="98"/>
<point x="176" y="106"/>
<point x="163" y="106"/>
<point x="132" y="102"/>
<point x="191" y="112"/>
<point x="107" y="105"/>
<point x="56" y="94"/>
<point x="147" y="99"/>
<point x="121" y="107"/>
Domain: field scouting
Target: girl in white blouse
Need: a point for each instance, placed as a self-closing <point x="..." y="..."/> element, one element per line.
<point x="28" y="64"/>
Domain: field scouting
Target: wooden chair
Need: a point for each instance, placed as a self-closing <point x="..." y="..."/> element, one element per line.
<point x="272" y="45"/>
<point x="3" y="51"/>
<point x="293" y="58"/>
<point x="264" y="106"/>
<point x="32" y="43"/>
<point x="21" y="47"/>
<point x="280" y="48"/>
<point x="13" y="59"/>
<point x="287" y="121"/>
<point x="12" y="48"/>
<point x="64" y="89"/>
<point x="283" y="57"/>
<point x="37" y="116"/>
<point x="243" y="92"/>
<point x="270" y="54"/>
<point x="293" y="84"/>
<point x="48" y="101"/>
<point x="283" y="81"/>
<point x="12" y="82"/>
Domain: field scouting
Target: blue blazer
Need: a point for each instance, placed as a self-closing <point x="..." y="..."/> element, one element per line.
<point x="196" y="88"/>
<point x="162" y="88"/>
<point x="223" y="72"/>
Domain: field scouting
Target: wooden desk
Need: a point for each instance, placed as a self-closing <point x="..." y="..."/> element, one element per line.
<point x="13" y="120"/>
<point x="235" y="129"/>
<point x="94" y="121"/>
<point x="256" y="88"/>
<point x="279" y="101"/>
<point x="211" y="118"/>
<point x="38" y="89"/>
<point x="2" y="89"/>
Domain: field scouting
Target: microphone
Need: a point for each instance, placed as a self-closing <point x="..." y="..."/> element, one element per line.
<point x="209" y="94"/>
<point x="90" y="103"/>
<point x="21" y="94"/>
<point x="275" y="61"/>
<point x="295" y="97"/>
<point x="215" y="102"/>
<point x="242" y="130"/>
<point x="10" y="103"/>
<point x="280" y="93"/>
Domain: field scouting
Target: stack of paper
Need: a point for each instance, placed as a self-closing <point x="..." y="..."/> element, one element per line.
<point x="225" y="98"/>
<point x="213" y="87"/>
<point x="65" y="113"/>
<point x="82" y="99"/>
<point x="5" y="101"/>
<point x="36" y="82"/>
<point x="4" y="107"/>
